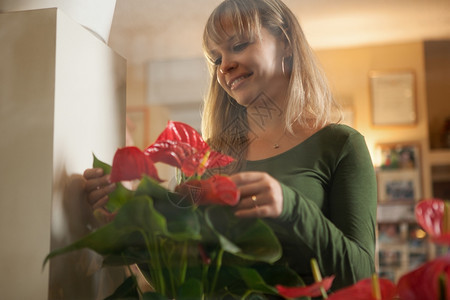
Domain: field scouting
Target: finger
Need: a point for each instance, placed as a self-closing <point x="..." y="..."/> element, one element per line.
<point x="255" y="212"/>
<point x="93" y="173"/>
<point x="97" y="183"/>
<point x="251" y="189"/>
<point x="98" y="194"/>
<point x="101" y="202"/>
<point x="250" y="201"/>
<point x="244" y="178"/>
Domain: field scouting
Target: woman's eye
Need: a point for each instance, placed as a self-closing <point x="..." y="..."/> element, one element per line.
<point x="240" y="47"/>
<point x="217" y="61"/>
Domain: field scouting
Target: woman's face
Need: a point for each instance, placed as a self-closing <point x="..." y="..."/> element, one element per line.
<point x="246" y="68"/>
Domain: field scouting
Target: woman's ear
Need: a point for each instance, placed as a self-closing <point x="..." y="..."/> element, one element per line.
<point x="287" y="49"/>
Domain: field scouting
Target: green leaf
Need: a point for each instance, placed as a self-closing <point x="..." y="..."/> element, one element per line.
<point x="250" y="239"/>
<point x="106" y="240"/>
<point x="182" y="222"/>
<point x="150" y="187"/>
<point x="100" y="164"/>
<point x="140" y="214"/>
<point x="120" y="195"/>
<point x="124" y="233"/>
<point x="254" y="281"/>
<point x="191" y="289"/>
<point x="279" y="274"/>
<point x="127" y="290"/>
<point x="130" y="255"/>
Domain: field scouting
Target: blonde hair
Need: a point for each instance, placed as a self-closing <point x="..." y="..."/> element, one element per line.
<point x="310" y="101"/>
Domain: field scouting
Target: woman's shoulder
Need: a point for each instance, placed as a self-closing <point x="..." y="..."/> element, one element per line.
<point x="340" y="129"/>
<point x="337" y="133"/>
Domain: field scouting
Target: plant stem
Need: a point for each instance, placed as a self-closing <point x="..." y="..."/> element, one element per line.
<point x="184" y="260"/>
<point x="318" y="276"/>
<point x="247" y="293"/>
<point x="155" y="263"/>
<point x="157" y="259"/>
<point x="376" y="292"/>
<point x="216" y="273"/>
<point x="166" y="259"/>
<point x="151" y="267"/>
<point x="205" y="271"/>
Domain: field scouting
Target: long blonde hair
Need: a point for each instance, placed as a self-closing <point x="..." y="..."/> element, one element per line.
<point x="310" y="101"/>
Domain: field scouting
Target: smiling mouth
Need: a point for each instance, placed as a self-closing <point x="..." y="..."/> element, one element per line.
<point x="235" y="82"/>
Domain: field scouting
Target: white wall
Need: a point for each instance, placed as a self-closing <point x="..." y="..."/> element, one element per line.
<point x="62" y="98"/>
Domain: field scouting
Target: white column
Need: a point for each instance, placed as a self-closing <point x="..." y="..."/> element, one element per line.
<point x="62" y="98"/>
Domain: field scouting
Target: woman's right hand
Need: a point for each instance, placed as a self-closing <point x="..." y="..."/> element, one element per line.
<point x="97" y="188"/>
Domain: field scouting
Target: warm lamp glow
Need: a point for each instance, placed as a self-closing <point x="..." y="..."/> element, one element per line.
<point x="375" y="152"/>
<point x="420" y="234"/>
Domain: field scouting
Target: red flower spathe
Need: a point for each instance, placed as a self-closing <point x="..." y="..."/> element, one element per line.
<point x="423" y="282"/>
<point x="429" y="215"/>
<point x="181" y="146"/>
<point x="217" y="189"/>
<point x="312" y="290"/>
<point x="363" y="290"/>
<point x="131" y="163"/>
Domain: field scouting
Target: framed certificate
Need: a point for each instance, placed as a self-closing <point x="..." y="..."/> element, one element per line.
<point x="393" y="98"/>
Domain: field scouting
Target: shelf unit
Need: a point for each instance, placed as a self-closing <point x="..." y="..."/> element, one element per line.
<point x="439" y="157"/>
<point x="437" y="72"/>
<point x="402" y="247"/>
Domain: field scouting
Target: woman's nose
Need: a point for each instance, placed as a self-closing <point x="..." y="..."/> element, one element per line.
<point x="227" y="65"/>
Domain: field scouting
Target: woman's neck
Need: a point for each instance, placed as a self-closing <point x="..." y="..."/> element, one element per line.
<point x="266" y="114"/>
<point x="272" y="137"/>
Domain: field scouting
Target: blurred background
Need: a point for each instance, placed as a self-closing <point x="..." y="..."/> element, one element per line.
<point x="362" y="45"/>
<point x="388" y="63"/>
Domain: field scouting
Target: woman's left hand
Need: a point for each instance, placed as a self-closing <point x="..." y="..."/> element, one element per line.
<point x="261" y="195"/>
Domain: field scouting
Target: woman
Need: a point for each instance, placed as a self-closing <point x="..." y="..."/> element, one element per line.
<point x="269" y="106"/>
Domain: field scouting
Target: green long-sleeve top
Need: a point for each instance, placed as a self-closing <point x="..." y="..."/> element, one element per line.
<point x="329" y="204"/>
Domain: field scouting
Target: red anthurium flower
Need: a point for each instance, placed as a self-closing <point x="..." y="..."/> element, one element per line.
<point x="363" y="290"/>
<point x="217" y="189"/>
<point x="181" y="146"/>
<point x="430" y="215"/>
<point x="194" y="164"/>
<point x="181" y="132"/>
<point x="131" y="163"/>
<point x="312" y="290"/>
<point x="173" y="153"/>
<point x="217" y="160"/>
<point x="423" y="282"/>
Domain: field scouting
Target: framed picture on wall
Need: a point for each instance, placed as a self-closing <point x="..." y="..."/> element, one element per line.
<point x="399" y="172"/>
<point x="393" y="98"/>
<point x="392" y="212"/>
<point x="399" y="185"/>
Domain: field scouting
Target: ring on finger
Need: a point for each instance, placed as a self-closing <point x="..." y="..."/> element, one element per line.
<point x="253" y="197"/>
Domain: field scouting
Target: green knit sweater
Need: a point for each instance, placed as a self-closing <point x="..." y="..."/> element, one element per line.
<point x="329" y="204"/>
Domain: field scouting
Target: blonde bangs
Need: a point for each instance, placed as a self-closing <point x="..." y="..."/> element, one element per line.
<point x="230" y="20"/>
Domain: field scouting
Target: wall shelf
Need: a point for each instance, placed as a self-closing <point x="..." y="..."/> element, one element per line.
<point x="439" y="157"/>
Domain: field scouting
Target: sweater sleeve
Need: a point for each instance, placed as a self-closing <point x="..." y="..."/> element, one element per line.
<point x="341" y="236"/>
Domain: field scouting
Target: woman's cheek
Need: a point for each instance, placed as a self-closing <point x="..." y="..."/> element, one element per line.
<point x="221" y="81"/>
